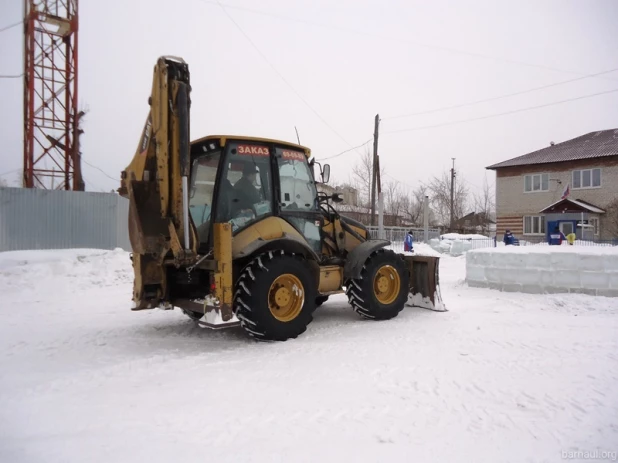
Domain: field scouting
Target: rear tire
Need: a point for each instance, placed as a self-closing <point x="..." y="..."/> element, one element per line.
<point x="382" y="288"/>
<point x="274" y="297"/>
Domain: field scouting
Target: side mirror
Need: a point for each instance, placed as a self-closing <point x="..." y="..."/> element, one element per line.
<point x="337" y="198"/>
<point x="326" y="173"/>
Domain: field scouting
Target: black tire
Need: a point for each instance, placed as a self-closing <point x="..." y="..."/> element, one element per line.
<point x="320" y="300"/>
<point x="362" y="295"/>
<point x="253" y="290"/>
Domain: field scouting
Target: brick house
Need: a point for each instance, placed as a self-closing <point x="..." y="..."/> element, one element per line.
<point x="568" y="185"/>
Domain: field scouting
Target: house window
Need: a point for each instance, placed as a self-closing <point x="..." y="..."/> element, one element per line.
<point x="534" y="225"/>
<point x="594" y="221"/>
<point x="587" y="178"/>
<point x="536" y="182"/>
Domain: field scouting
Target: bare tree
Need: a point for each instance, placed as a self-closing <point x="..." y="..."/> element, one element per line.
<point x="484" y="201"/>
<point x="412" y="206"/>
<point x="3" y="183"/>
<point x="440" y="194"/>
<point x="361" y="177"/>
<point x="394" y="198"/>
<point x="485" y="206"/>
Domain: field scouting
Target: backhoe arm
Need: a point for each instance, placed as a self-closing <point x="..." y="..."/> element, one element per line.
<point x="156" y="184"/>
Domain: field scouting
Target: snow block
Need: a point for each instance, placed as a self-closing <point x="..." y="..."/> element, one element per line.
<point x="532" y="289"/>
<point x="607" y="292"/>
<point x="610" y="263"/>
<point x="538" y="260"/>
<point x="460" y="247"/>
<point x="477" y="284"/>
<point x="512" y="261"/>
<point x="512" y="288"/>
<point x="483" y="259"/>
<point x="566" y="278"/>
<point x="595" y="280"/>
<point x="545" y="269"/>
<point x="563" y="261"/>
<point x="492" y="276"/>
<point x="587" y="291"/>
<point x="475" y="272"/>
<point x="591" y="263"/>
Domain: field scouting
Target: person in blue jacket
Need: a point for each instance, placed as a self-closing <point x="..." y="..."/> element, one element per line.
<point x="556" y="237"/>
<point x="509" y="238"/>
<point x="408" y="244"/>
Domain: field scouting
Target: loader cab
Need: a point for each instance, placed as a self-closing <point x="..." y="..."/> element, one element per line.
<point x="245" y="180"/>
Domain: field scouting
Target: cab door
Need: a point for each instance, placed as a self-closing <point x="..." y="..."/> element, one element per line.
<point x="297" y="194"/>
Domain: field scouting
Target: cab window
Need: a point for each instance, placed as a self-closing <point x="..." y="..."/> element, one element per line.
<point x="203" y="175"/>
<point x="245" y="193"/>
<point x="297" y="190"/>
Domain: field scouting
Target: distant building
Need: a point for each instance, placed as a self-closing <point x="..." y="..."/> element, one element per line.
<point x="567" y="185"/>
<point x="350" y="194"/>
<point x="476" y="222"/>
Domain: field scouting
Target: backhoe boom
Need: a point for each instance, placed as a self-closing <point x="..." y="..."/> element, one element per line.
<point x="156" y="184"/>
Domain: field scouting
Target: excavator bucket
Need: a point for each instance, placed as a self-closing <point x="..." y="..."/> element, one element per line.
<point x="424" y="283"/>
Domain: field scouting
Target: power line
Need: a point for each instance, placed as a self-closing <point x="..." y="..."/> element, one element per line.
<point x="346" y="151"/>
<point x="100" y="170"/>
<point x="393" y="39"/>
<point x="5" y="76"/>
<point x="9" y="26"/>
<point x="501" y="96"/>
<point x="407" y="184"/>
<point x="9" y="172"/>
<point x="530" y="108"/>
<point x="278" y="73"/>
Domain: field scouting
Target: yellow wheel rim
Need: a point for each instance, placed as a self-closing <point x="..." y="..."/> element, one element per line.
<point x="286" y="297"/>
<point x="386" y="284"/>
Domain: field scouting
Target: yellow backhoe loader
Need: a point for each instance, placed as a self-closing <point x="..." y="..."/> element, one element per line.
<point x="232" y="230"/>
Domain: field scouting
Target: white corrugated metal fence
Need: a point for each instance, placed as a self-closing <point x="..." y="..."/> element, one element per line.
<point x="50" y="219"/>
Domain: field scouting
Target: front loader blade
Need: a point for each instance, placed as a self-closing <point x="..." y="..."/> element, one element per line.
<point x="424" y="283"/>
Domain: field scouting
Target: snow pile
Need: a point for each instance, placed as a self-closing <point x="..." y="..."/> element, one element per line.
<point x="545" y="269"/>
<point x="423" y="249"/>
<point x="63" y="271"/>
<point x="456" y="244"/>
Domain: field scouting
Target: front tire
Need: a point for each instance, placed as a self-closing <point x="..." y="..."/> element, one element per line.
<point x="382" y="288"/>
<point x="275" y="296"/>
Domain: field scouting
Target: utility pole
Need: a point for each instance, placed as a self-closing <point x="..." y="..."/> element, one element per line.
<point x="426" y="219"/>
<point x="373" y="168"/>
<point x="380" y="202"/>
<point x="452" y="194"/>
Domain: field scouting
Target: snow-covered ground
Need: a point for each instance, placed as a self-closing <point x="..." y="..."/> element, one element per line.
<point x="500" y="377"/>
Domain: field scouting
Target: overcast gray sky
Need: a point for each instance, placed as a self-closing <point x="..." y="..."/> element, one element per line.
<point x="348" y="60"/>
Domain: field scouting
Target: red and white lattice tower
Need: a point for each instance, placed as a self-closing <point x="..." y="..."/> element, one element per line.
<point x="51" y="117"/>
